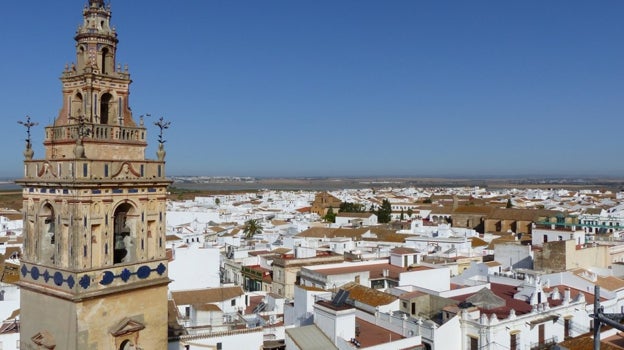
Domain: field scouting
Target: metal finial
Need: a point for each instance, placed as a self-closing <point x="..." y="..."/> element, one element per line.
<point x="28" y="124"/>
<point x="142" y="118"/>
<point x="163" y="125"/>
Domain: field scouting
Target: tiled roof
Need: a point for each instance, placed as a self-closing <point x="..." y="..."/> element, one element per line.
<point x="368" y="296"/>
<point x="521" y="307"/>
<point x="414" y="294"/>
<point x="593" y="211"/>
<point x="370" y="335"/>
<point x="207" y="307"/>
<point x="477" y="242"/>
<point x="607" y="282"/>
<point x="304" y="209"/>
<point x="507" y="294"/>
<point x="208" y="295"/>
<point x="376" y="271"/>
<point x="354" y="215"/>
<point x="354" y="233"/>
<point x="521" y="214"/>
<point x="403" y="250"/>
<point x="473" y="209"/>
<point x="281" y="250"/>
<point x="310" y="338"/>
<point x="441" y="210"/>
<point x="586" y="342"/>
<point x="486" y="299"/>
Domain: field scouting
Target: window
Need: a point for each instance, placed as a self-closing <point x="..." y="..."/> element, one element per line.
<point x="187" y="311"/>
<point x="513" y="341"/>
<point x="233" y="302"/>
<point x="567" y="323"/>
<point x="474" y="343"/>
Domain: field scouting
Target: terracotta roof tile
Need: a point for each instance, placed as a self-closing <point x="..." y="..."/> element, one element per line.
<point x="208" y="295"/>
<point x="368" y="296"/>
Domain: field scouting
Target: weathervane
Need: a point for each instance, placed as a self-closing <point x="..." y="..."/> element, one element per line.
<point x="28" y="124"/>
<point x="163" y="125"/>
<point x="28" y="152"/>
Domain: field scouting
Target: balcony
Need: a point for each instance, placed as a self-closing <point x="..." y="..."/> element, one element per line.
<point x="546" y="344"/>
<point x="96" y="132"/>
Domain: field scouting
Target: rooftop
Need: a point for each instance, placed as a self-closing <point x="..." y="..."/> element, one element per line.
<point x="208" y="295"/>
<point x="376" y="271"/>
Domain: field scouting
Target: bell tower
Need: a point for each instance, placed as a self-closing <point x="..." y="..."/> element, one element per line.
<point x="94" y="269"/>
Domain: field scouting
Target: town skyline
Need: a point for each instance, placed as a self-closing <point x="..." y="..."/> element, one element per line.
<point x="345" y="89"/>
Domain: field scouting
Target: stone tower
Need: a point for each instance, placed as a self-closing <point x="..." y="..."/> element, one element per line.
<point x="94" y="268"/>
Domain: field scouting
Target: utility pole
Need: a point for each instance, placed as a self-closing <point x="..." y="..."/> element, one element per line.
<point x="600" y="318"/>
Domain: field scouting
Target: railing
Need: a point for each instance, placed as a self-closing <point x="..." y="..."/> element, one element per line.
<point x="580" y="224"/>
<point x="546" y="344"/>
<point x="96" y="132"/>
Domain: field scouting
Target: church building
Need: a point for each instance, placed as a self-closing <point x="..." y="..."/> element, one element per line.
<point x="94" y="271"/>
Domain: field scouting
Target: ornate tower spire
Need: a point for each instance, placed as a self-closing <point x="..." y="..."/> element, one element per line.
<point x="96" y="40"/>
<point x="96" y="3"/>
<point x="95" y="96"/>
<point x="94" y="212"/>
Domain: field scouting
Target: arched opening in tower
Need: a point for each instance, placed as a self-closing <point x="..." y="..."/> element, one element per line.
<point x="48" y="235"/>
<point x="105" y="61"/>
<point x="76" y="106"/>
<point x="123" y="239"/>
<point x="105" y="108"/>
<point x="127" y="345"/>
<point x="81" y="57"/>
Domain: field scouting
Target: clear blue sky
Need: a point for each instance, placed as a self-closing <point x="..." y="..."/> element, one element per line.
<point x="345" y="87"/>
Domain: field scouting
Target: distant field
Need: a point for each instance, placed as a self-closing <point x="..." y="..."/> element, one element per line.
<point x="12" y="198"/>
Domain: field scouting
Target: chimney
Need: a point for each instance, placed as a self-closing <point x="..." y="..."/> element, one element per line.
<point x="566" y="296"/>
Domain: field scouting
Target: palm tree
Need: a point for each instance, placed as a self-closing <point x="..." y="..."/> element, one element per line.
<point x="251" y="228"/>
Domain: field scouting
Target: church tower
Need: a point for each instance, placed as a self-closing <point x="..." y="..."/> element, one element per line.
<point x="94" y="268"/>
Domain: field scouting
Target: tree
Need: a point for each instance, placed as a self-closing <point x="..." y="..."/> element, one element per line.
<point x="384" y="213"/>
<point x="348" y="207"/>
<point x="252" y="227"/>
<point x="330" y="216"/>
<point x="509" y="204"/>
<point x="402" y="215"/>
